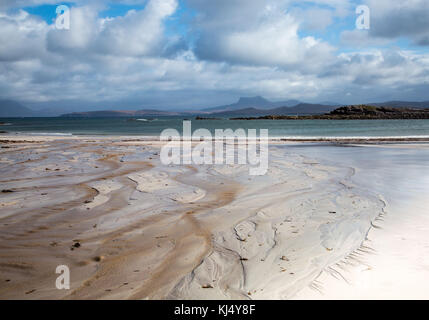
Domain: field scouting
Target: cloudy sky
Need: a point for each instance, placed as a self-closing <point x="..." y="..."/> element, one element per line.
<point x="187" y="54"/>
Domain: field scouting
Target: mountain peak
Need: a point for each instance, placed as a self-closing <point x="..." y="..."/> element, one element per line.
<point x="255" y="100"/>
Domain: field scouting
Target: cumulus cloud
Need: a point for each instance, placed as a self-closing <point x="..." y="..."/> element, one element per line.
<point x="231" y="48"/>
<point x="138" y="33"/>
<point x="400" y="18"/>
<point x="262" y="34"/>
<point x="82" y="33"/>
<point x="20" y="32"/>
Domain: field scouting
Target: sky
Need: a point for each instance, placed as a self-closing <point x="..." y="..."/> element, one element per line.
<point x="193" y="54"/>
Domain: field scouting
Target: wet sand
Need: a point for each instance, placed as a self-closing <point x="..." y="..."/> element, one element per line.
<point x="129" y="227"/>
<point x="397" y="267"/>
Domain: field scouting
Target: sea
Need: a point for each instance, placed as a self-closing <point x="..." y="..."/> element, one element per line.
<point x="291" y="129"/>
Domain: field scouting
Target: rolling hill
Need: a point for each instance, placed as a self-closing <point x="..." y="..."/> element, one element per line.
<point x="300" y="109"/>
<point x="13" y="109"/>
<point x="117" y="113"/>
<point x="253" y="102"/>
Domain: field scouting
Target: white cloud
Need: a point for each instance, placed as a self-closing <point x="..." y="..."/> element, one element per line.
<point x="400" y="18"/>
<point x="267" y="37"/>
<point x="82" y="33"/>
<point x="22" y="36"/>
<point x="138" y="33"/>
<point x="247" y="47"/>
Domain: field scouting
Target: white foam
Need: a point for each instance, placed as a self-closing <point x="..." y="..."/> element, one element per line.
<point x="55" y="134"/>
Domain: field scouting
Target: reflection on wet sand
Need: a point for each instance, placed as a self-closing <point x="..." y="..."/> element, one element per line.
<point x="129" y="227"/>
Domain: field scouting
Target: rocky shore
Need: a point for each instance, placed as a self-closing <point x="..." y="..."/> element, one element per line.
<point x="361" y="112"/>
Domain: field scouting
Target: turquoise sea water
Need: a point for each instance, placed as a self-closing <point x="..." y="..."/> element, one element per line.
<point x="277" y="128"/>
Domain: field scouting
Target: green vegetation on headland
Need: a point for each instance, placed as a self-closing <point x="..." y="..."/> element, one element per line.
<point x="359" y="112"/>
<point x="205" y="118"/>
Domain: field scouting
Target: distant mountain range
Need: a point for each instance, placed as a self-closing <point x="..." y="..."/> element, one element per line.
<point x="129" y="113"/>
<point x="14" y="109"/>
<point x="244" y="107"/>
<point x="253" y="102"/>
<point x="300" y="109"/>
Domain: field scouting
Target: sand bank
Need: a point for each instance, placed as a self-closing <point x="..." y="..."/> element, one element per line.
<point x="150" y="231"/>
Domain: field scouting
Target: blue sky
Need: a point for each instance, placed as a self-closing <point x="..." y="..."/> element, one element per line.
<point x="176" y="54"/>
<point x="48" y="11"/>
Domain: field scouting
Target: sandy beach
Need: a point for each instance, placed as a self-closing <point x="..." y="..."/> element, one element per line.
<point x="129" y="227"/>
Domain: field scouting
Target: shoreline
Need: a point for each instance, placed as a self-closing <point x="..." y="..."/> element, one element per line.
<point x="21" y="137"/>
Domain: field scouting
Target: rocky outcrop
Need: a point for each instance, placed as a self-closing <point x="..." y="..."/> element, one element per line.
<point x="359" y="112"/>
<point x="371" y="112"/>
